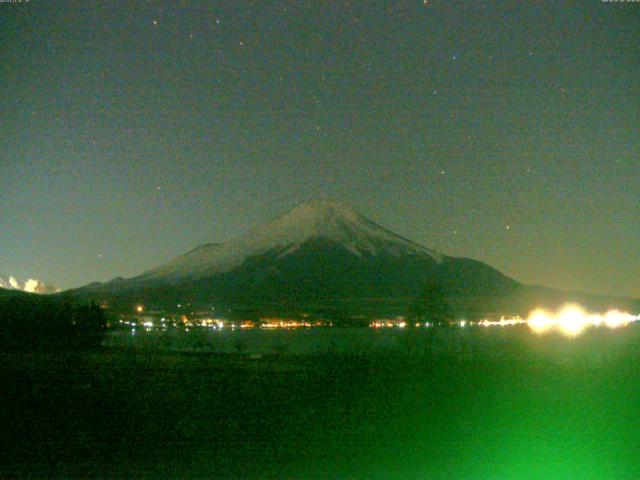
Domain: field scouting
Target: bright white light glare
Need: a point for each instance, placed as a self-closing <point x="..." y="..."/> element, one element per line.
<point x="540" y="321"/>
<point x="616" y="319"/>
<point x="571" y="320"/>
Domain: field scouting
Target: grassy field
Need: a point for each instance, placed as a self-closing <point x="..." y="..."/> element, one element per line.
<point x="536" y="408"/>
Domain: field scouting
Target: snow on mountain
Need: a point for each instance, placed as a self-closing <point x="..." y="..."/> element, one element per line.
<point x="10" y="283"/>
<point x="286" y="233"/>
<point x="31" y="285"/>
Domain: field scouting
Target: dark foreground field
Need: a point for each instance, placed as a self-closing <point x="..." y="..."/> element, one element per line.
<point x="539" y="408"/>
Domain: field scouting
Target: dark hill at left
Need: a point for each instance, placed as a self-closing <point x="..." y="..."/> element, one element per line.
<point x="43" y="322"/>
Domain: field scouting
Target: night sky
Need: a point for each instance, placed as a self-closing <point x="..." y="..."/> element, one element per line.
<point x="508" y="132"/>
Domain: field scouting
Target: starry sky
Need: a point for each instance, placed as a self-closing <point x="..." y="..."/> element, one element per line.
<point x="503" y="131"/>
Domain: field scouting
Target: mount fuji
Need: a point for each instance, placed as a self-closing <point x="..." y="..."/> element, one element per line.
<point x="323" y="255"/>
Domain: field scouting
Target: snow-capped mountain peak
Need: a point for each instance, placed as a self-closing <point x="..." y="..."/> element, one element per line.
<point x="31" y="285"/>
<point x="315" y="219"/>
<point x="333" y="221"/>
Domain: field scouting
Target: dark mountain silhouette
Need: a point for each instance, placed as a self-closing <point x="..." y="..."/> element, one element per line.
<point x="30" y="321"/>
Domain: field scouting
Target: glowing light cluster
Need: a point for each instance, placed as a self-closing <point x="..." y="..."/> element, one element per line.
<point x="271" y="323"/>
<point x="503" y="322"/>
<point x="571" y="320"/>
<point x="399" y="322"/>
